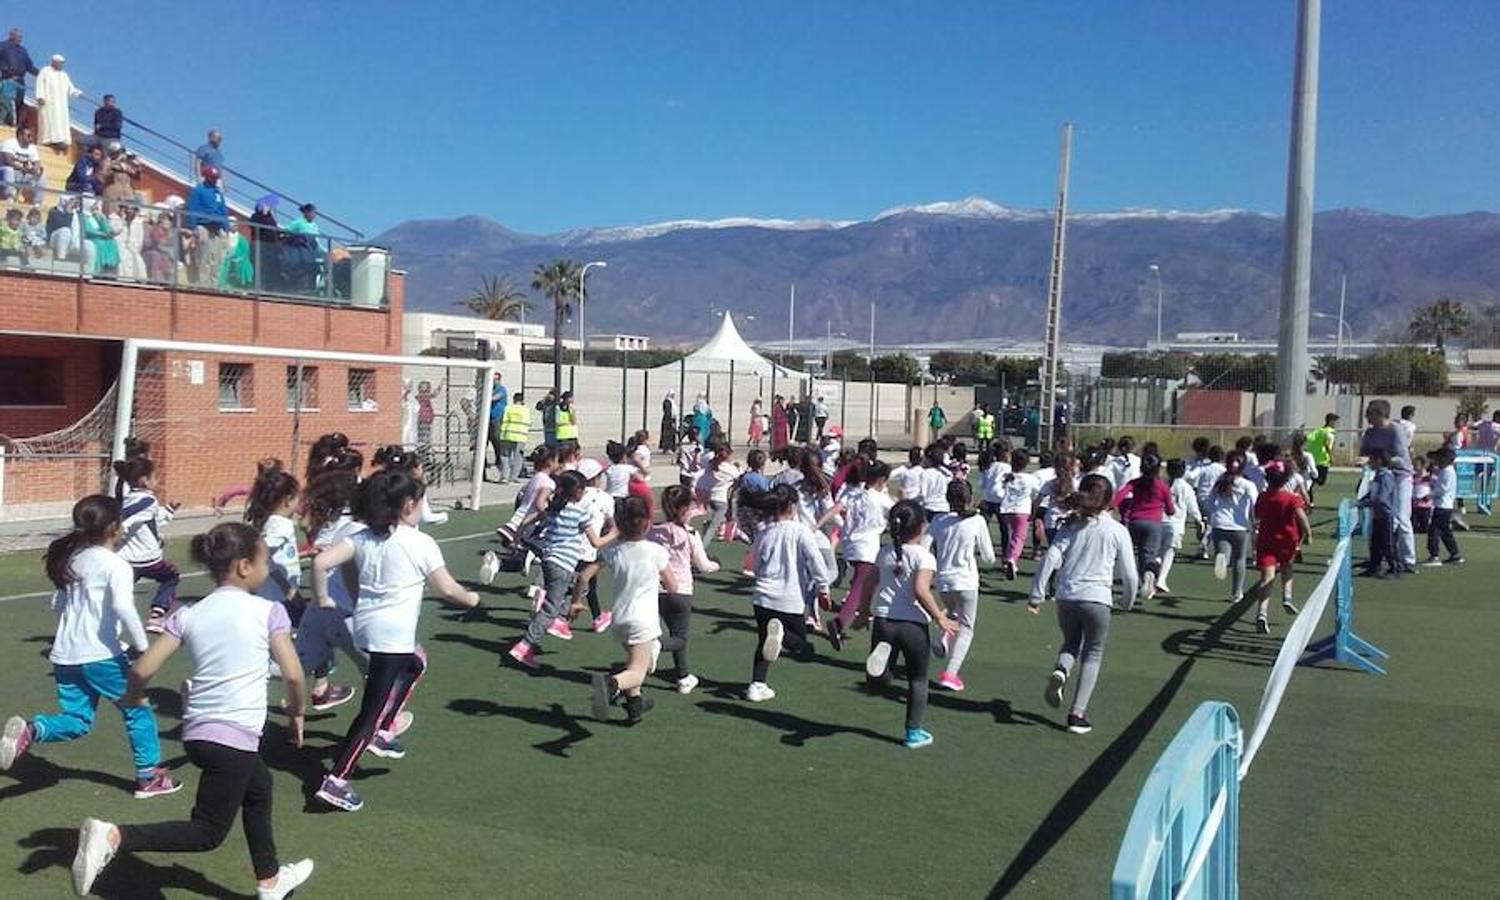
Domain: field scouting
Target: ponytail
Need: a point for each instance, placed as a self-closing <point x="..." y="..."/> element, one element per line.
<point x="223" y="545"/>
<point x="93" y="518"/>
<point x="129" y="471"/>
<point x="1234" y="464"/>
<point x="272" y="487"/>
<point x="905" y="522"/>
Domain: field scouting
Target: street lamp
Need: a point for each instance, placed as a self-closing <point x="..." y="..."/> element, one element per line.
<point x="1338" y="346"/>
<point x="1157" y="270"/>
<point x="582" y="274"/>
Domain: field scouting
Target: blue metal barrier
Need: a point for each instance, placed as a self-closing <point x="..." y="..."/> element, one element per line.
<point x="1477" y="478"/>
<point x="1183" y="837"/>
<point x="1344" y="645"/>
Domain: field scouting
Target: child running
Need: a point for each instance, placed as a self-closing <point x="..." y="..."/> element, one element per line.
<point x="535" y="495"/>
<point x="902" y="608"/>
<point x="273" y="502"/>
<point x="143" y="544"/>
<point x="1231" y="502"/>
<point x="637" y="570"/>
<point x="866" y="509"/>
<point x="1444" y="497"/>
<point x="1281" y="527"/>
<point x="1185" y="507"/>
<point x="95" y="606"/>
<point x="684" y="555"/>
<point x="568" y="525"/>
<point x="394" y="561"/>
<point x="1018" y="494"/>
<point x="1145" y="503"/>
<point x="960" y="541"/>
<point x="601" y="508"/>
<point x="788" y="567"/>
<point x="231" y="635"/>
<point x="1090" y="550"/>
<point x="329" y="501"/>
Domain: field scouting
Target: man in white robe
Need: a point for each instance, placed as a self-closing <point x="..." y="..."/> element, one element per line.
<point x="53" y="91"/>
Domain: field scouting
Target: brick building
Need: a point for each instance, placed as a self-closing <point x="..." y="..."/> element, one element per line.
<point x="209" y="416"/>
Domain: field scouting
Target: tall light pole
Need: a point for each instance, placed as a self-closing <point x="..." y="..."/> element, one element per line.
<point x="1157" y="269"/>
<point x="1338" y="351"/>
<point x="1296" y="251"/>
<point x="791" y="318"/>
<point x="1343" y="288"/>
<point x="582" y="274"/>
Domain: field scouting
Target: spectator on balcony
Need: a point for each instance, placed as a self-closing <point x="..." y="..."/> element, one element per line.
<point x="208" y="218"/>
<point x="156" y="249"/>
<point x="101" y="255"/>
<point x="308" y="223"/>
<point x="108" y="119"/>
<point x="15" y="65"/>
<point x="35" y="233"/>
<point x="12" y="101"/>
<point x="21" y="167"/>
<point x="265" y="235"/>
<point x="12" y="238"/>
<point x="53" y="91"/>
<point x="87" y="176"/>
<point x="238" y="271"/>
<point x="209" y="155"/>
<point x="130" y="234"/>
<point x="63" y="229"/>
<point x="119" y="172"/>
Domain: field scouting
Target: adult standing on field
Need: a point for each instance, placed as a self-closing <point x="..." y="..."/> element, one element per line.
<point x="547" y="406"/>
<point x="780" y="426"/>
<point x="567" y="420"/>
<point x="937" y="420"/>
<point x="1383" y="434"/>
<point x="669" y="424"/>
<point x="499" y="400"/>
<point x="515" y="430"/>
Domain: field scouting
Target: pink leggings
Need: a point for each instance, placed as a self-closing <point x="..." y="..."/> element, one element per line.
<point x="861" y="586"/>
<point x="1015" y="525"/>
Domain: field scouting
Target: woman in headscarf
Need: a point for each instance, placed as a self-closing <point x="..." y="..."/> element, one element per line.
<point x="703" y="417"/>
<point x="102" y="253"/>
<point x="156" y="249"/>
<point x="669" y="424"/>
<point x="130" y="235"/>
<point x="757" y="423"/>
<point x="265" y="238"/>
<point x="780" y="433"/>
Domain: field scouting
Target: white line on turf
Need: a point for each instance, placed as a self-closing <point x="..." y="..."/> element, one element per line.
<point x="37" y="595"/>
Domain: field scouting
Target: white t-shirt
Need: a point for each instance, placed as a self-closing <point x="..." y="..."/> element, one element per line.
<point x="989" y="481"/>
<point x="641" y="456"/>
<point x="617" y="479"/>
<point x="1053" y="507"/>
<point x="12" y="147"/>
<point x="601" y="507"/>
<point x="865" y="517"/>
<point x="1124" y="467"/>
<point x="143" y="518"/>
<point x="716" y="481"/>
<point x="898" y="482"/>
<point x="1185" y="506"/>
<point x="94" y="608"/>
<point x="896" y="597"/>
<point x="533" y="487"/>
<point x="393" y="571"/>
<point x="1208" y="476"/>
<point x="812" y="507"/>
<point x="632" y="576"/>
<point x="228" y="634"/>
<point x="935" y="489"/>
<point x="340" y="590"/>
<point x="959" y="543"/>
<point x="787" y="564"/>
<point x="1231" y="513"/>
<point x="280" y="535"/>
<point x="687" y="460"/>
<point x="1018" y="494"/>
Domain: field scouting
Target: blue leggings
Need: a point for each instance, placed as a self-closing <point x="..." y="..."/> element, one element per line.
<point x="79" y="689"/>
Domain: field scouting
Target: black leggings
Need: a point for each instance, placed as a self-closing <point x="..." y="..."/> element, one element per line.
<point x="910" y="641"/>
<point x="1441" y="529"/>
<point x="676" y="611"/>
<point x="794" y="637"/>
<point x="390" y="681"/>
<point x="231" y="781"/>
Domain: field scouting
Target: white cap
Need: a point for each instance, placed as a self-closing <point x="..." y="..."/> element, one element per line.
<point x="590" y="469"/>
<point x="58" y="57"/>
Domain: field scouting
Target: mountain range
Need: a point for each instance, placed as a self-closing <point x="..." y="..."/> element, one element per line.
<point x="971" y="269"/>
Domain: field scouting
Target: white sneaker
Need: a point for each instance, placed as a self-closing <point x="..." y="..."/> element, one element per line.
<point x="686" y="683"/>
<point x="490" y="567"/>
<point x="526" y="566"/>
<point x="878" y="660"/>
<point x="759" y="692"/>
<point x="770" y="648"/>
<point x="1221" y="566"/>
<point x="94" y="853"/>
<point x="1055" y="685"/>
<point x="1148" y="586"/>
<point x="288" y="878"/>
<point x="655" y="655"/>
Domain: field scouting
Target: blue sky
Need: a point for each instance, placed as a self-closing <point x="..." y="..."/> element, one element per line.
<point x="557" y="115"/>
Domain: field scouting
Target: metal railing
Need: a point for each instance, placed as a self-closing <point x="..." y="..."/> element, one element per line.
<point x="167" y="246"/>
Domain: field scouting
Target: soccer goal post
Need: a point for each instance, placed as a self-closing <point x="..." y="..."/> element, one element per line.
<point x="211" y="411"/>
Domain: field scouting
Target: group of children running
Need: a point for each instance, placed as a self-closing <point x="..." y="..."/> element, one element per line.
<point x="908" y="542"/>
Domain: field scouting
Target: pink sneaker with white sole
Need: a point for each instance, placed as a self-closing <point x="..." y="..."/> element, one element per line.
<point x="951" y="682"/>
<point x="560" y="629"/>
<point x="523" y="653"/>
<point x="602" y="623"/>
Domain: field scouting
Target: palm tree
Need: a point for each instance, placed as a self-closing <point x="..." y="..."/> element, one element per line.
<point x="558" y="281"/>
<point x="497" y="297"/>
<point x="1439" y="320"/>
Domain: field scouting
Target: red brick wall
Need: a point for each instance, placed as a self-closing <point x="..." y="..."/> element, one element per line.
<point x="85" y="368"/>
<point x="1224" y="409"/>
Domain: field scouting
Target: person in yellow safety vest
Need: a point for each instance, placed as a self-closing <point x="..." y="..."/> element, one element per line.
<point x="567" y="419"/>
<point x="515" y="429"/>
<point x="984" y="424"/>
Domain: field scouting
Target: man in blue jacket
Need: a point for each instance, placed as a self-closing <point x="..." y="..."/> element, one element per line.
<point x="499" y="399"/>
<point x="208" y="217"/>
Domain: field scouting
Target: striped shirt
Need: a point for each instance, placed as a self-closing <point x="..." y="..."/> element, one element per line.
<point x="563" y="539"/>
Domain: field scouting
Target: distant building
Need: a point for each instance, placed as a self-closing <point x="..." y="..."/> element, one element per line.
<point x="433" y="331"/>
<point x="619" y="342"/>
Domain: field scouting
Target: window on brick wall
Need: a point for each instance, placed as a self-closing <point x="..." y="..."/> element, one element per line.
<point x="31" y="381"/>
<point x="304" y="395"/>
<point x="362" y="390"/>
<point x="236" y="386"/>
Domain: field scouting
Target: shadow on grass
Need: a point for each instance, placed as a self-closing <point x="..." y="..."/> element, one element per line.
<point x="551" y="717"/>
<point x="798" y="730"/>
<point x="126" y="876"/>
<point x="34" y="773"/>
<point x="1097" y="778"/>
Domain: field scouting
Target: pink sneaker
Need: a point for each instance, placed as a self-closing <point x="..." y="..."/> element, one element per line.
<point x="402" y="722"/>
<point x="156" y="621"/>
<point x="951" y="682"/>
<point x="523" y="653"/>
<point x="158" y="785"/>
<point x="602" y="623"/>
<point x="560" y="629"/>
<point x="15" y="743"/>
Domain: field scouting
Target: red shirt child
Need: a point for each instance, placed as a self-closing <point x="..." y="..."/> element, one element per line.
<point x="1278" y="534"/>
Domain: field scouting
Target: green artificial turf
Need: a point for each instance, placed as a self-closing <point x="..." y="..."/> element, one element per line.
<point x="1366" y="786"/>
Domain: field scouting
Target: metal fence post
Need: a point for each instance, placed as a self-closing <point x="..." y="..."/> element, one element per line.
<point x="730" y="420"/>
<point x="624" y="392"/>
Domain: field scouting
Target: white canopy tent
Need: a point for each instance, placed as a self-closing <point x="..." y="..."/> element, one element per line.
<point x="727" y="351"/>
